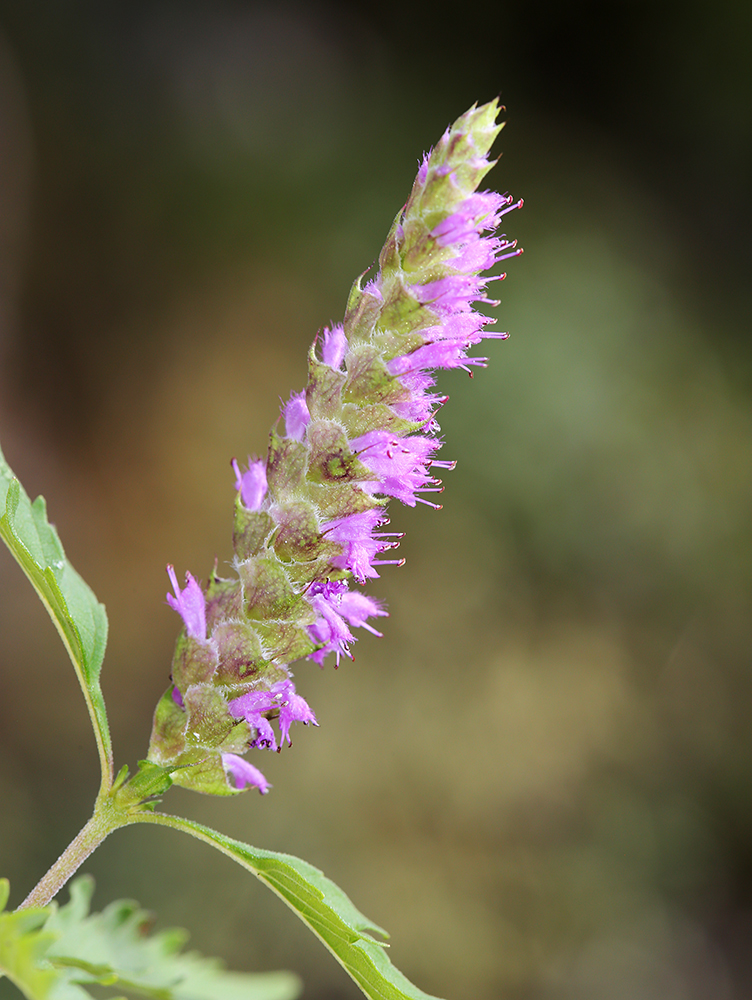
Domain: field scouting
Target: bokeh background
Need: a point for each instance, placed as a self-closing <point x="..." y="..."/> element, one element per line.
<point x="540" y="779"/>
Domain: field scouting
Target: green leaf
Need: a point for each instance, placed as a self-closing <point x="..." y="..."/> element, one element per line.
<point x="52" y="954"/>
<point x="77" y="614"/>
<point x="23" y="947"/>
<point x="320" y="904"/>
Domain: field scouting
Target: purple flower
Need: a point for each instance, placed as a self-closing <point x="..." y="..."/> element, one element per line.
<point x="466" y="327"/>
<point x="477" y="212"/>
<point x="420" y="405"/>
<point x="446" y="346"/>
<point x="359" y="545"/>
<point x="460" y="230"/>
<point x="330" y="628"/>
<point x="334" y="347"/>
<point x="243" y="773"/>
<point x="251" y="484"/>
<point x="440" y="354"/>
<point x="292" y="708"/>
<point x="190" y="604"/>
<point x="356" y="607"/>
<point x="253" y="707"/>
<point x="297" y="417"/>
<point x="478" y="255"/>
<point x="450" y="295"/>
<point x="335" y="603"/>
<point x="399" y="464"/>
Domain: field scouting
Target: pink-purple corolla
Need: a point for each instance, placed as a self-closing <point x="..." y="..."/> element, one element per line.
<point x="282" y="699"/>
<point x="244" y="774"/>
<point x="309" y="517"/>
<point x="190" y="604"/>
<point x="251" y="484"/>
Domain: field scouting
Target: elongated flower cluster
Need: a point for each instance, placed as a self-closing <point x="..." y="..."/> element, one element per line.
<point x="310" y="518"/>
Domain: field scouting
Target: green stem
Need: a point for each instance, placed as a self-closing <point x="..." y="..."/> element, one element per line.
<point x="106" y="818"/>
<point x="124" y="803"/>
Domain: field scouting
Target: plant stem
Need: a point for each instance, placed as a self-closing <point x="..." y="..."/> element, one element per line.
<point x="106" y="818"/>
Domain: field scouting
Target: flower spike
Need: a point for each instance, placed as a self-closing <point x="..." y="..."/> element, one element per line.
<point x="309" y="517"/>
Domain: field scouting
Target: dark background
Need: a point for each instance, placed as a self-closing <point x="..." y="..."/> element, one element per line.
<point x="540" y="779"/>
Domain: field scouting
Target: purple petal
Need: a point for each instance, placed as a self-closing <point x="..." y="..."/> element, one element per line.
<point x="335" y="603"/>
<point x="359" y="548"/>
<point x="465" y="326"/>
<point x="420" y="404"/>
<point x="477" y="254"/>
<point x="297" y="417"/>
<point x="478" y="212"/>
<point x="292" y="708"/>
<point x="356" y="607"/>
<point x="190" y="604"/>
<point x="334" y="347"/>
<point x="244" y="773"/>
<point x="449" y="295"/>
<point x="399" y="464"/>
<point x="373" y="288"/>
<point x="331" y="631"/>
<point x="251" y="707"/>
<point x="330" y="628"/>
<point x="265" y="738"/>
<point x="251" y="484"/>
<point x="442" y="354"/>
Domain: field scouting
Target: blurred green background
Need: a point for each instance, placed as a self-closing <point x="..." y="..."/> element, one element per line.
<point x="540" y="779"/>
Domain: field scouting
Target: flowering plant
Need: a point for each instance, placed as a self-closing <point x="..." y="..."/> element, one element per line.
<point x="309" y="524"/>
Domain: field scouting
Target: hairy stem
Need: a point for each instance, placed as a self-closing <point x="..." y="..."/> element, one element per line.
<point x="106" y="818"/>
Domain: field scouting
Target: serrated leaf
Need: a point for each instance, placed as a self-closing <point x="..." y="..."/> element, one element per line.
<point x="77" y="614"/>
<point x="53" y="954"/>
<point x="320" y="904"/>
<point x="114" y="947"/>
<point x="24" y="942"/>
